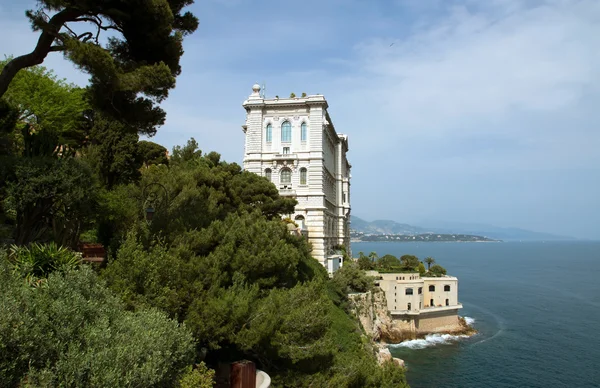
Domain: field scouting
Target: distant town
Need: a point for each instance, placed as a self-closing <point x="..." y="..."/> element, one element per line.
<point x="425" y="237"/>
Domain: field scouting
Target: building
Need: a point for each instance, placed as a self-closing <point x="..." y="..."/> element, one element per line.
<point x="293" y="143"/>
<point x="420" y="304"/>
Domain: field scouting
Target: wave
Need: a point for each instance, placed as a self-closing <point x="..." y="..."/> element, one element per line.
<point x="469" y="321"/>
<point x="429" y="341"/>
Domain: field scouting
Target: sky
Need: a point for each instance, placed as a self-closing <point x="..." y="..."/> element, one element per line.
<point x="457" y="110"/>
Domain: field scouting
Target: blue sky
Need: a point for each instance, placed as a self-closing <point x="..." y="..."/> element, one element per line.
<point x="457" y="110"/>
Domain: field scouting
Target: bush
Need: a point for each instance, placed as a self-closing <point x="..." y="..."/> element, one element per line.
<point x="75" y="332"/>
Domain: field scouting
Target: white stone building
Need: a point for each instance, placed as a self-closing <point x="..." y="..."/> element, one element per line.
<point x="293" y="143"/>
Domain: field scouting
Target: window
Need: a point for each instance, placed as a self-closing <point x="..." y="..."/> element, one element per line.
<point x="286" y="176"/>
<point x="408" y="306"/>
<point x="303" y="132"/>
<point x="302" y="176"/>
<point x="431" y="303"/>
<point x="344" y="197"/>
<point x="447" y="302"/>
<point x="268" y="173"/>
<point x="419" y="305"/>
<point x="446" y="287"/>
<point x="286" y="150"/>
<point x="286" y="131"/>
<point x="409" y="291"/>
<point x="420" y="290"/>
<point x="431" y="288"/>
<point x="269" y="133"/>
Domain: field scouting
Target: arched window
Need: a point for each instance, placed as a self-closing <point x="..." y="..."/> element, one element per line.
<point x="303" y="176"/>
<point x="268" y="173"/>
<point x="286" y="176"/>
<point x="446" y="287"/>
<point x="420" y="290"/>
<point x="269" y="133"/>
<point x="409" y="291"/>
<point x="447" y="302"/>
<point x="431" y="288"/>
<point x="303" y="132"/>
<point x="286" y="131"/>
<point x="408" y="306"/>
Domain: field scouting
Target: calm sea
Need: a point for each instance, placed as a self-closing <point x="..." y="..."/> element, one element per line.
<point x="536" y="306"/>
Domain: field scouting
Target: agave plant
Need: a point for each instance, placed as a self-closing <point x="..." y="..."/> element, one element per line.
<point x="38" y="260"/>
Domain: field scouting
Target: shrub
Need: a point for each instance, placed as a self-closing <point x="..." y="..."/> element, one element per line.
<point x="75" y="332"/>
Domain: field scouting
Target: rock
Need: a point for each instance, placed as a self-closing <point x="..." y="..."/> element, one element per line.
<point x="384" y="355"/>
<point x="398" y="361"/>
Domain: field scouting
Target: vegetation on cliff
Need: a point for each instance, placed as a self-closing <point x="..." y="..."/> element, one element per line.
<point x="201" y="269"/>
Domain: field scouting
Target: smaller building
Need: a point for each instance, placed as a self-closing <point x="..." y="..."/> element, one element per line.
<point x="420" y="304"/>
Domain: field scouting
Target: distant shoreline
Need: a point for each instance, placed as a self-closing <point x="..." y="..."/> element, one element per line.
<point x="418" y="241"/>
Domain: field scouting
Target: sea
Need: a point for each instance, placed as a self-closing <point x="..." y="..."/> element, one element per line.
<point x="536" y="306"/>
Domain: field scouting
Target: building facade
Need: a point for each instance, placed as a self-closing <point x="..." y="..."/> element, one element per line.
<point x="420" y="304"/>
<point x="293" y="143"/>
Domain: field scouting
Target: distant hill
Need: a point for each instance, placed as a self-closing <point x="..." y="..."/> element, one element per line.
<point x="494" y="232"/>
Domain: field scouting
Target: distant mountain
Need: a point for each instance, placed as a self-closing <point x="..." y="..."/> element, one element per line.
<point x="494" y="232"/>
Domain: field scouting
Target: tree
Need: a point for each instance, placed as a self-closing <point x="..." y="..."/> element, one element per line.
<point x="152" y="153"/>
<point x="142" y="55"/>
<point x="113" y="152"/>
<point x="364" y="262"/>
<point x="53" y="199"/>
<point x="429" y="261"/>
<point x="351" y="278"/>
<point x="74" y="332"/>
<point x="409" y="262"/>
<point x="45" y="103"/>
<point x="436" y="271"/>
<point x="421" y="269"/>
<point x="388" y="262"/>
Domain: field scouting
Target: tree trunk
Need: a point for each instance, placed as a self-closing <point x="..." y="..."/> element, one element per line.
<point x="43" y="47"/>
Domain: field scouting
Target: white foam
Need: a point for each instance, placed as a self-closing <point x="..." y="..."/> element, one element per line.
<point x="429" y="340"/>
<point x="469" y="321"/>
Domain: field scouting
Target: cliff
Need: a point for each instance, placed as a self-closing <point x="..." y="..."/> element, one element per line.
<point x="378" y="324"/>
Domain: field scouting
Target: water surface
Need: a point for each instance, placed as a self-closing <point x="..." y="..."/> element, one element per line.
<point x="535" y="304"/>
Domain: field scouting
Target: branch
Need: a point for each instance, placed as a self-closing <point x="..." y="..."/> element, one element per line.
<point x="41" y="50"/>
<point x="57" y="48"/>
<point x="98" y="22"/>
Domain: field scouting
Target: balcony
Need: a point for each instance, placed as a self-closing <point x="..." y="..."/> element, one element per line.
<point x="285" y="156"/>
<point x="426" y="310"/>
<point x="287" y="191"/>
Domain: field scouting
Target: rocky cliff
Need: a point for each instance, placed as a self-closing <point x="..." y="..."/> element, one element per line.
<point x="378" y="324"/>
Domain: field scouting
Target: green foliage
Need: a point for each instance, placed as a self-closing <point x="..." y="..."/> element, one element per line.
<point x="53" y="199"/>
<point x="74" y="332"/>
<point x="152" y="153"/>
<point x="303" y="94"/>
<point x="38" y="260"/>
<point x="351" y="278"/>
<point x="388" y="262"/>
<point x="113" y="153"/>
<point x="292" y="95"/>
<point x="199" y="376"/>
<point x="141" y="57"/>
<point x="421" y="269"/>
<point x="47" y="105"/>
<point x="429" y="261"/>
<point x="364" y="262"/>
<point x="409" y="262"/>
<point x="436" y="271"/>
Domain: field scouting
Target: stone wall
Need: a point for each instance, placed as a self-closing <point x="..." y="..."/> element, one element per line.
<point x="438" y="322"/>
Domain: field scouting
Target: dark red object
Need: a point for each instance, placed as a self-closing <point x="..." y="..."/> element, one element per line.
<point x="243" y="374"/>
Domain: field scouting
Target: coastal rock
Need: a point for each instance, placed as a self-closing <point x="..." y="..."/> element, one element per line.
<point x="399" y="362"/>
<point x="384" y="355"/>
